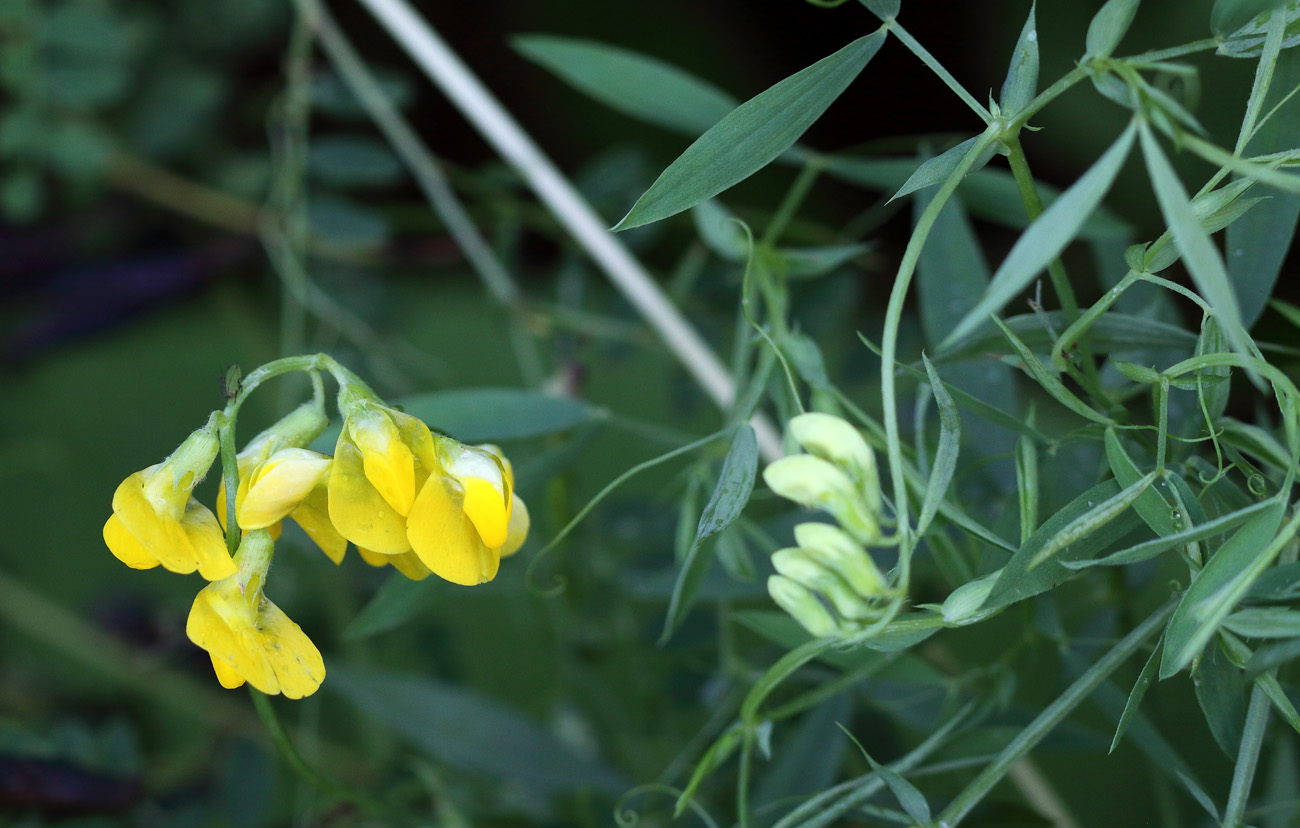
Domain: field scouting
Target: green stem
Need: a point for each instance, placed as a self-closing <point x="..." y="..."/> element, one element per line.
<point x="1252" y="739"/>
<point x="290" y="754"/>
<point x="937" y="67"/>
<point x="1051" y="93"/>
<point x="230" y="477"/>
<point x="889" y="341"/>
<point x="793" y="198"/>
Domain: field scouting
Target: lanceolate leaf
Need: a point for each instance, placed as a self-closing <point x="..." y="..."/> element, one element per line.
<point x="1153" y="508"/>
<point x="1022" y="78"/>
<point x="1047" y="237"/>
<point x="735" y="484"/>
<point x="1109" y="25"/>
<point x="752" y="135"/>
<point x="1228" y="16"/>
<point x="1218" y="587"/>
<point x="634" y="84"/>
<point x="945" y="457"/>
<point x="1199" y="254"/>
<point x="936" y="170"/>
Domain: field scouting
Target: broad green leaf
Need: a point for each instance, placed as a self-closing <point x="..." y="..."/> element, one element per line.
<point x="735" y="484"/>
<point x="1135" y="696"/>
<point x="1228" y="16"/>
<point x="1046" y="237"/>
<point x="1108" y="27"/>
<point x="939" y="168"/>
<point x="752" y="135"/>
<point x="1200" y="531"/>
<point x="398" y="601"/>
<point x="1199" y="254"/>
<point x="1150" y="505"/>
<point x="1045" y="378"/>
<point x="1021" y="83"/>
<point x="471" y="732"/>
<point x="1257" y="243"/>
<point x="1221" y="693"/>
<point x="1265" y="622"/>
<point x="945" y="456"/>
<point x="475" y="415"/>
<point x="1018" y="581"/>
<point x="637" y="85"/>
<point x="1217" y="588"/>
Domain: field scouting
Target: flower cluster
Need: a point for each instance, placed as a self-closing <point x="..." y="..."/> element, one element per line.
<point x="404" y="496"/>
<point x="829" y="582"/>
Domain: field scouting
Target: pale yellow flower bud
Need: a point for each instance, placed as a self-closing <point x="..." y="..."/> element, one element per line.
<point x="818" y="484"/>
<point x="803" y="606"/>
<point x="842" y="554"/>
<point x="834" y="439"/>
<point x="803" y="568"/>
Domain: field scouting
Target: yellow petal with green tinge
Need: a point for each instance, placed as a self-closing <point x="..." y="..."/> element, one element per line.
<point x="485" y="507"/>
<point x="277" y="486"/>
<point x="518" y="530"/>
<point x="314" y="518"/>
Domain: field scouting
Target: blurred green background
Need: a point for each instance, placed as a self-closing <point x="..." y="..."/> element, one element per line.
<point x="135" y="149"/>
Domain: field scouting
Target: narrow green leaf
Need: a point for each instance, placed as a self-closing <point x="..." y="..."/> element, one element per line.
<point x="752" y="135"/>
<point x="1135" y="696"/>
<point x="1108" y="27"/>
<point x="1047" y="237"/>
<point x="1200" y="531"/>
<point x="398" y="601"/>
<point x="469" y="731"/>
<point x="1027" y="485"/>
<point x="735" y="484"/>
<point x="639" y="86"/>
<point x="1257" y="243"/>
<point x="1228" y="16"/>
<point x="1045" y="378"/>
<point x="1217" y="588"/>
<point x="1092" y="520"/>
<point x="884" y="9"/>
<point x="1214" y="383"/>
<point x="1198" y="252"/>
<point x="1109" y="333"/>
<point x="1272" y="655"/>
<point x="1248" y="41"/>
<point x="1018" y="581"/>
<point x="475" y="415"/>
<point x="1150" y="505"/>
<point x="1021" y="83"/>
<point x="1265" y="622"/>
<point x="945" y="456"/>
<point x="938" y="169"/>
<point x="352" y="161"/>
<point x="803" y="262"/>
<point x="1221" y="694"/>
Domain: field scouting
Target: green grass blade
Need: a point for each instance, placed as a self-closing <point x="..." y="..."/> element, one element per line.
<point x="1047" y="237"/>
<point x="752" y="135"/>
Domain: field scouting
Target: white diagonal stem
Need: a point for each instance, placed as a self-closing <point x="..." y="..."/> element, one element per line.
<point x="476" y="103"/>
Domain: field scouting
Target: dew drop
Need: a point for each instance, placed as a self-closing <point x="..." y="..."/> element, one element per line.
<point x="1089" y="502"/>
<point x="1032" y="37"/>
<point x="1176" y="516"/>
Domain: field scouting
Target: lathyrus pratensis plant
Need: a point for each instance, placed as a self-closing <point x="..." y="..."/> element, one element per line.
<point x="1178" y="481"/>
<point x="403" y="495"/>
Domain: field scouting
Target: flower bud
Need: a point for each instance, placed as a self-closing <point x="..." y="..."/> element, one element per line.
<point x="816" y="483"/>
<point x="802" y="605"/>
<point x="170" y="484"/>
<point x="277" y="486"/>
<point x="834" y="439"/>
<point x="963" y="605"/>
<point x="840" y="553"/>
<point x="803" y="568"/>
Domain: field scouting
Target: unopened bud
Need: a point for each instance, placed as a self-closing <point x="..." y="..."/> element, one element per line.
<point x="172" y="481"/>
<point x="833" y="438"/>
<point x="818" y="484"/>
<point x="839" y="552"/>
<point x="294" y="430"/>
<point x="803" y="568"/>
<point x="802" y="605"/>
<point x="963" y="605"/>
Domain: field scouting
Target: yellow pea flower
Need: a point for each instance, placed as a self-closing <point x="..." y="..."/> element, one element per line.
<point x="249" y="638"/>
<point x="156" y="521"/>
<point x="277" y="479"/>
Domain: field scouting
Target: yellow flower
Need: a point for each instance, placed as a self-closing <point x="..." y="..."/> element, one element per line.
<point x="394" y="488"/>
<point x="247" y="636"/>
<point x="290" y="483"/>
<point x="156" y="521"/>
